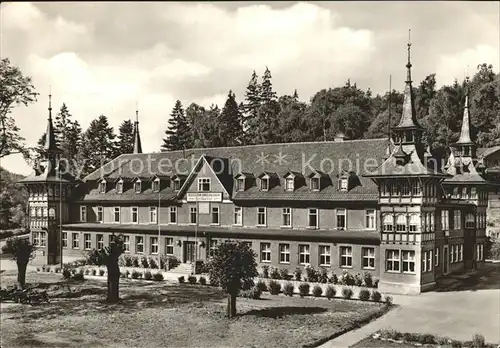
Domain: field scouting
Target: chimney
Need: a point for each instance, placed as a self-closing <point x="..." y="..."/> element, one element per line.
<point x="339" y="137"/>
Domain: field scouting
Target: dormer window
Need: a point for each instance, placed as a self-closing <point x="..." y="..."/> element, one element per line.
<point x="314" y="184"/>
<point x="137" y="186"/>
<point x="240" y="184"/>
<point x="156" y="185"/>
<point x="264" y="184"/>
<point x="289" y="184"/>
<point x="177" y="184"/>
<point x="102" y="186"/>
<point x="343" y="184"/>
<point x="119" y="186"/>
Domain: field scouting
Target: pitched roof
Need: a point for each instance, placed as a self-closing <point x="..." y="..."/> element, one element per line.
<point x="483" y="152"/>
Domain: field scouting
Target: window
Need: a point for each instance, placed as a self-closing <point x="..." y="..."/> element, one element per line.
<point x="126" y="243"/>
<point x="416" y="188"/>
<point x="135" y="214"/>
<point x="427" y="261"/>
<point x="341" y="219"/>
<point x="99" y="241"/>
<point x="479" y="252"/>
<point x="304" y="254"/>
<point x="392" y="261"/>
<point x="388" y="223"/>
<point x="455" y="253"/>
<point x="313" y="218"/>
<point x="445" y="220"/>
<point x="455" y="192"/>
<point x="473" y="193"/>
<point x="139" y="244"/>
<point x="287" y="217"/>
<point x="370" y="219"/>
<point x="414" y="222"/>
<point x="265" y="252"/>
<point x="177" y="184"/>
<point x="315" y="184"/>
<point x="75" y="241"/>
<point x="394" y="189"/>
<point x="33" y="211"/>
<point x="261" y="216"/>
<point x="156" y="185"/>
<point x="153" y="241"/>
<point x="193" y="214"/>
<point x="343" y="184"/>
<point x="137" y="186"/>
<point x="102" y="188"/>
<point x="100" y="214"/>
<point x="173" y="215"/>
<point x="469" y="220"/>
<point x="457" y="220"/>
<point x="83" y="213"/>
<point x="405" y="188"/>
<point x="169" y="246"/>
<point x="215" y="215"/>
<point x="119" y="187"/>
<point x="212" y="246"/>
<point x="368" y="258"/>
<point x="87" y="242"/>
<point x="153" y="215"/>
<point x="461" y="252"/>
<point x="324" y="255"/>
<point x="116" y="214"/>
<point x="240" y="185"/>
<point x="465" y="193"/>
<point x="401" y="223"/>
<point x="284" y="253"/>
<point x="432" y="222"/>
<point x="345" y="256"/>
<point x="436" y="257"/>
<point x="36" y="238"/>
<point x="264" y="184"/>
<point x="289" y="184"/>
<point x="65" y="239"/>
<point x="204" y="184"/>
<point x="408" y="257"/>
<point x="238" y="216"/>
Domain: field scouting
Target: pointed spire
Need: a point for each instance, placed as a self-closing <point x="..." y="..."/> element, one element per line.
<point x="137" y="136"/>
<point x="50" y="139"/>
<point x="465" y="131"/>
<point x="408" y="116"/>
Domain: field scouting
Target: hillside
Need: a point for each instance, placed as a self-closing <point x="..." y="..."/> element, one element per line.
<point x="13" y="199"/>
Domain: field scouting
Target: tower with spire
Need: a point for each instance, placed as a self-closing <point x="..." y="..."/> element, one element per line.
<point x="49" y="188"/>
<point x="137" y="136"/>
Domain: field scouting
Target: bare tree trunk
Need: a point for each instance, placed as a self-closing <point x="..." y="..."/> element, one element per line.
<point x="231" y="305"/>
<point x="21" y="275"/>
<point x="113" y="283"/>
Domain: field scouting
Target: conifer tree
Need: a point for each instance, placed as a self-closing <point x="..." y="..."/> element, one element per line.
<point x="251" y="109"/>
<point x="266" y="93"/>
<point x="178" y="132"/>
<point x="125" y="143"/>
<point x="230" y="122"/>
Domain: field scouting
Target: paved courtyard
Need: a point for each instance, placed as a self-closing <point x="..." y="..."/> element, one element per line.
<point x="473" y="307"/>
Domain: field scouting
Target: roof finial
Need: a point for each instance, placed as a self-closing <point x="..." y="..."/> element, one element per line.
<point x="408" y="65"/>
<point x="50" y="102"/>
<point x="136" y="111"/>
<point x="137" y="136"/>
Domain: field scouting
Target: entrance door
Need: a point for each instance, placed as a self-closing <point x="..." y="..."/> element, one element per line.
<point x="189" y="252"/>
<point x="446" y="259"/>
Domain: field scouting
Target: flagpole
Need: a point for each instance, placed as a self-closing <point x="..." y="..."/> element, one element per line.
<point x="158" y="221"/>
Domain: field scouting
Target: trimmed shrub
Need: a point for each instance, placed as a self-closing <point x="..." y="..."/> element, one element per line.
<point x="192" y="279"/>
<point x="127" y="260"/>
<point x="123" y="275"/>
<point x="58" y="269"/>
<point x="367" y="279"/>
<point x="388" y="300"/>
<point x="135" y="261"/>
<point x="274" y="287"/>
<point x="376" y="296"/>
<point x="158" y="276"/>
<point x="364" y="294"/>
<point x="347" y="279"/>
<point x="333" y="279"/>
<point x="181" y="279"/>
<point x="265" y="271"/>
<point x="317" y="291"/>
<point x="153" y="264"/>
<point x="93" y="272"/>
<point x="73" y="271"/>
<point x="202" y="281"/>
<point x="284" y="274"/>
<point x="87" y="271"/>
<point x="347" y="292"/>
<point x="101" y="272"/>
<point x="253" y="293"/>
<point x="135" y="275"/>
<point x="358" y="280"/>
<point x="144" y="262"/>
<point x="66" y="273"/>
<point x="121" y="261"/>
<point x="323" y="276"/>
<point x="375" y="283"/>
<point x="261" y="285"/>
<point x="140" y="275"/>
<point x="77" y="276"/>
<point x="478" y="341"/>
<point x="330" y="292"/>
<point x="297" y="274"/>
<point x="312" y="274"/>
<point x="148" y="275"/>
<point x="38" y="269"/>
<point x="288" y="289"/>
<point x="304" y="289"/>
<point x="275" y="273"/>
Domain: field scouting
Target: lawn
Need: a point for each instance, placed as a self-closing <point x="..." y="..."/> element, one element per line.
<point x="154" y="314"/>
<point x="374" y="343"/>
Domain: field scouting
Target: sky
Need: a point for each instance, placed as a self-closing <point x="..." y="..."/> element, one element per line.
<point x="110" y="58"/>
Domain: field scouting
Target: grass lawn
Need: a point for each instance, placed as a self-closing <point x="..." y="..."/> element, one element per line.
<point x="168" y="315"/>
<point x="374" y="343"/>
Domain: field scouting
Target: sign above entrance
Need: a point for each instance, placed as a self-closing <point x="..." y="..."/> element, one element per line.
<point x="204" y="208"/>
<point x="204" y="196"/>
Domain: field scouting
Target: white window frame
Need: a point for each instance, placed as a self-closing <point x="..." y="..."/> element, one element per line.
<point x="368" y="255"/>
<point x="345" y="254"/>
<point x="261" y="212"/>
<point x="410" y="261"/>
<point x="238" y="216"/>
<point x="371" y="219"/>
<point x="415" y="222"/>
<point x="64" y="239"/>
<point x="289" y="184"/>
<point x="152" y="244"/>
<point x="284" y="251"/>
<point x="153" y="214"/>
<point x="99" y="243"/>
<point x="156" y="185"/>
<point x="87" y="238"/>
<point x="193" y="210"/>
<point x="264" y="187"/>
<point x="457" y="220"/>
<point x="343" y="184"/>
<point x="117" y="210"/>
<point x="304" y="254"/>
<point x="36" y="238"/>
<point x="265" y="252"/>
<point x="436" y="257"/>
<point x="201" y="184"/>
<point x="470" y="221"/>
<point x="83" y="213"/>
<point x="75" y="242"/>
<point x="284" y="213"/>
<point x="393" y="259"/>
<point x="388" y="221"/>
<point x="312" y="212"/>
<point x="119" y="186"/>
<point x="137" y="244"/>
<point x="315" y="184"/>
<point x="460" y="252"/>
<point x="132" y="209"/>
<point x="172" y="211"/>
<point x="169" y="245"/>
<point x="100" y="210"/>
<point x="339" y="213"/>
<point x="138" y="186"/>
<point x="479" y="252"/>
<point x="177" y="184"/>
<point x="240" y="184"/>
<point x="401" y="220"/>
<point x="325" y="255"/>
<point x="445" y="220"/>
<point x="215" y="211"/>
<point x="102" y="187"/>
<point x="43" y="239"/>
<point x="126" y="243"/>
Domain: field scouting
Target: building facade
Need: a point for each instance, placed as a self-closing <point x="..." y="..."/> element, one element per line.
<point x="384" y="206"/>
